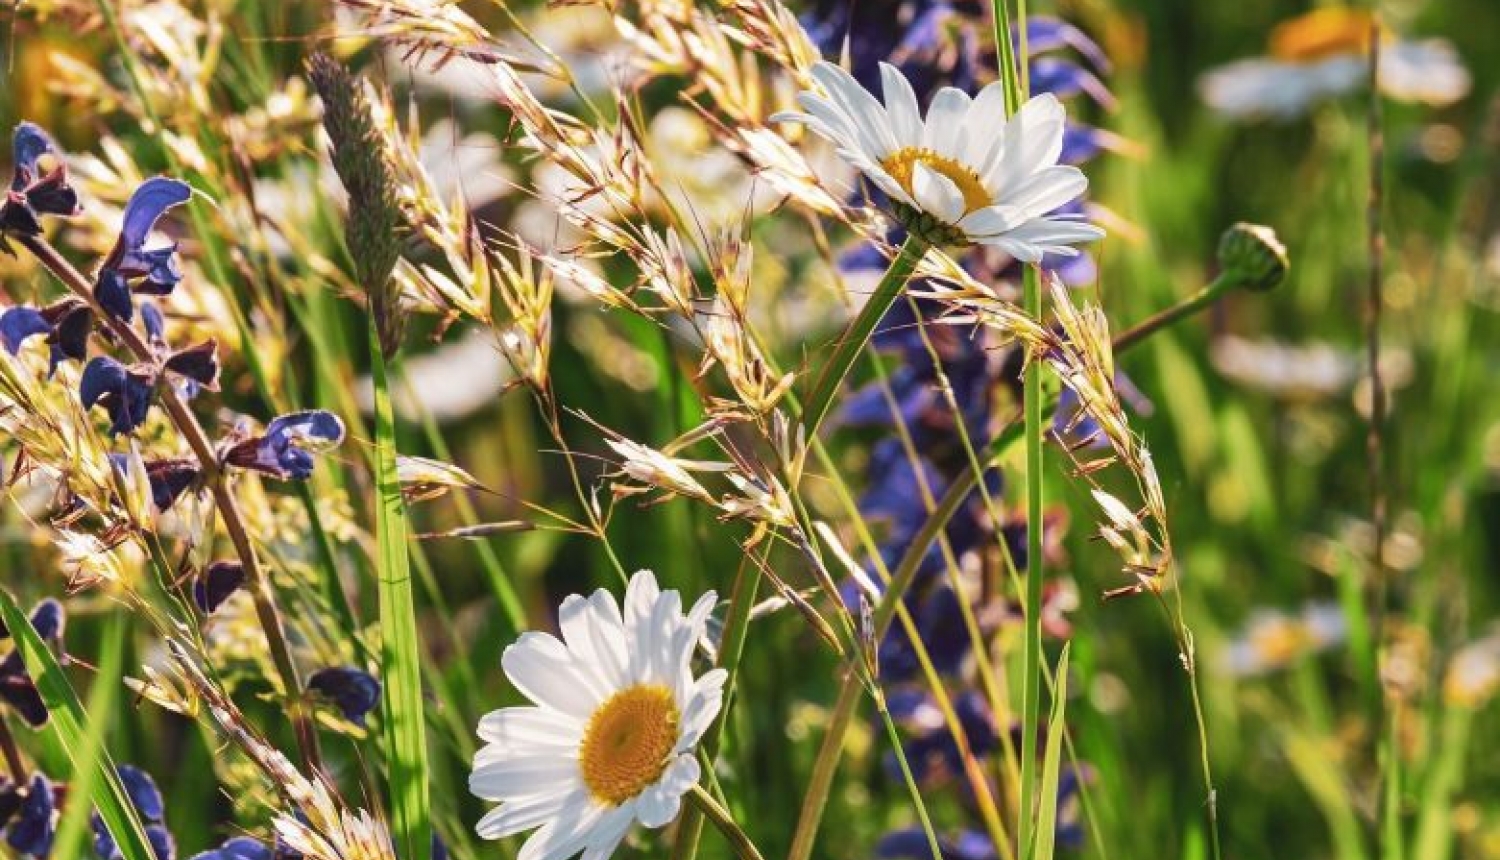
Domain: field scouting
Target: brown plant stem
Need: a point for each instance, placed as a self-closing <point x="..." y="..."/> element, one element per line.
<point x="13" y="761"/>
<point x="234" y="522"/>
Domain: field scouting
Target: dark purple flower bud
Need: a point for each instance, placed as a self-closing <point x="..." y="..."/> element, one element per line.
<point x="150" y="201"/>
<point x="198" y="363"/>
<point x="34" y="828"/>
<point x="1064" y="80"/>
<point x="238" y="848"/>
<point x="113" y="294"/>
<point x="1045" y="34"/>
<point x="216" y="584"/>
<point x="142" y="791"/>
<point x="35" y="189"/>
<point x="19" y="324"/>
<point x="170" y="479"/>
<point x="352" y="691"/>
<point x="146" y="799"/>
<point x="28" y="144"/>
<point x="129" y="265"/>
<point x="285" y="450"/>
<point x="155" y="323"/>
<point x="72" y="322"/>
<point x="10" y="801"/>
<point x="157" y="270"/>
<point x="124" y="392"/>
<point x="48" y="619"/>
<point x="18" y="690"/>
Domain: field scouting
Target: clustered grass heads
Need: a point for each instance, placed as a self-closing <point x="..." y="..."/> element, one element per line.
<point x="375" y="223"/>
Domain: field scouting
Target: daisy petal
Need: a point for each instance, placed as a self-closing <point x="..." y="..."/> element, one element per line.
<point x="510" y="776"/>
<point x="867" y="114"/>
<point x="901" y="105"/>
<point x="660" y="803"/>
<point x="564" y="836"/>
<point x="523" y="728"/>
<point x="545" y="671"/>
<point x="944" y="132"/>
<point x="609" y="832"/>
<point x="936" y="194"/>
<point x="592" y="634"/>
<point x="518" y="815"/>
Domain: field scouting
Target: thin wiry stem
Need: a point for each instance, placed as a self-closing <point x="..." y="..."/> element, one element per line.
<point x="721" y="818"/>
<point x="258" y="583"/>
<point x="820" y="781"/>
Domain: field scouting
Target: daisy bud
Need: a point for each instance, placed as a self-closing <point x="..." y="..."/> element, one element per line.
<point x="1252" y="256"/>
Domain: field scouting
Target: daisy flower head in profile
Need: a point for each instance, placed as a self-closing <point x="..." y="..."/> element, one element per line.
<point x="963" y="175"/>
<point x="610" y="739"/>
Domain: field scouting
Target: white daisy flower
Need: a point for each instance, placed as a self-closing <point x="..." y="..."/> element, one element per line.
<point x="1322" y="55"/>
<point x="611" y="737"/>
<point x="964" y="175"/>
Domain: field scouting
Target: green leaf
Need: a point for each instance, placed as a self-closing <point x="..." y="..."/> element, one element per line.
<point x="80" y="737"/>
<point x="405" y="738"/>
<point x="1046" y="824"/>
<point x="74" y="826"/>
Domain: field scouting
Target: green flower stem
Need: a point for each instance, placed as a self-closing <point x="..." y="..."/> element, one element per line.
<point x="1185" y="308"/>
<point x="1032" y="653"/>
<point x="704" y="802"/>
<point x="911" y="782"/>
<point x="826" y="764"/>
<point x="731" y="648"/>
<point x="831" y="379"/>
<point x="400" y="652"/>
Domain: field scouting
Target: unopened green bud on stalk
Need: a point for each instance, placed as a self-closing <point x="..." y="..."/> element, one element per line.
<point x="1252" y="257"/>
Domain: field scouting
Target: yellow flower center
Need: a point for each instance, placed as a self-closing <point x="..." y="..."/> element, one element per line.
<point x="627" y="742"/>
<point x="1321" y="34"/>
<point x="901" y="163"/>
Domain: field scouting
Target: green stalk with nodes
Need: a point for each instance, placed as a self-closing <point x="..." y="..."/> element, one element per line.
<point x="373" y="231"/>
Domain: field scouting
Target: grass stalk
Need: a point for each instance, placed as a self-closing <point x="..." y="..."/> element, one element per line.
<point x="852" y="343"/>
<point x="400" y="649"/>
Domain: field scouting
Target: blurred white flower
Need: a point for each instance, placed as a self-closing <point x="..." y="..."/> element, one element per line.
<point x="1274" y="640"/>
<point x="1320" y="56"/>
<point x="611" y="738"/>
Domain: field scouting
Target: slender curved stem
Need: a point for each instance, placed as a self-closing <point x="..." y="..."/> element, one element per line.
<point x="831" y="378"/>
<point x="829" y="752"/>
<point x="743" y="847"/>
<point x="259" y="584"/>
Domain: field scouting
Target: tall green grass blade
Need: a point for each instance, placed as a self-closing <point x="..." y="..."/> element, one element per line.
<point x="103" y="696"/>
<point x="68" y="727"/>
<point x="400" y="652"/>
<point x="1046" y="819"/>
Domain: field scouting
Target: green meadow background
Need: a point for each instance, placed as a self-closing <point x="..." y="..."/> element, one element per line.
<point x="1270" y="489"/>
